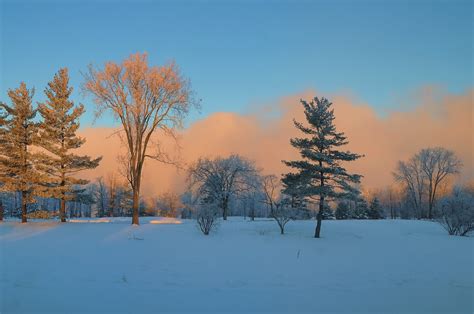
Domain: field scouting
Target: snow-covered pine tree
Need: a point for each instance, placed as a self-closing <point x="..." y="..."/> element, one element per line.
<point x="320" y="173"/>
<point x="58" y="138"/>
<point x="294" y="197"/>
<point x="17" y="135"/>
<point x="361" y="210"/>
<point x="328" y="213"/>
<point x="375" y="211"/>
<point x="343" y="211"/>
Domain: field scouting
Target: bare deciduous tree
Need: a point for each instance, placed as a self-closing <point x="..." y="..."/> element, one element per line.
<point x="411" y="176"/>
<point x="217" y="180"/>
<point x="437" y="164"/>
<point x="423" y="175"/>
<point x="145" y="99"/>
<point x="271" y="186"/>
<point x="101" y="197"/>
<point x="168" y="204"/>
<point x="112" y="187"/>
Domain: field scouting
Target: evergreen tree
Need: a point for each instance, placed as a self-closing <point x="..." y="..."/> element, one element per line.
<point x="343" y="211"/>
<point x="374" y="211"/>
<point x="328" y="213"/>
<point x="17" y="135"/>
<point x="294" y="197"/>
<point x="58" y="137"/>
<point x="361" y="210"/>
<point x="320" y="174"/>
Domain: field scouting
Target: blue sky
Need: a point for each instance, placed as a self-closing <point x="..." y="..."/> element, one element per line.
<point x="239" y="53"/>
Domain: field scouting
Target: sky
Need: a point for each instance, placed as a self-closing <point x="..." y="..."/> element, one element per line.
<point x="400" y="74"/>
<point x="239" y="54"/>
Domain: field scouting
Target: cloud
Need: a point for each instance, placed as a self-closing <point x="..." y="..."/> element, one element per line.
<point x="437" y="119"/>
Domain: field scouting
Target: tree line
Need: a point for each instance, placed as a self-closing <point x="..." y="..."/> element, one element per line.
<point x="38" y="163"/>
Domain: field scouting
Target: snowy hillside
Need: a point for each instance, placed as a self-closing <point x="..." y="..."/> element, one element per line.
<point x="110" y="266"/>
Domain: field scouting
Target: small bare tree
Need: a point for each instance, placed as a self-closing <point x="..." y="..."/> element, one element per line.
<point x="112" y="187"/>
<point x="168" y="204"/>
<point x="437" y="164"/>
<point x="144" y="99"/>
<point x="410" y="174"/>
<point x="283" y="212"/>
<point x="207" y="217"/>
<point x="217" y="180"/>
<point x="101" y="197"/>
<point x="271" y="186"/>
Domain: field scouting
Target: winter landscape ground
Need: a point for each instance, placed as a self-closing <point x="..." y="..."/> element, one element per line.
<point x="167" y="265"/>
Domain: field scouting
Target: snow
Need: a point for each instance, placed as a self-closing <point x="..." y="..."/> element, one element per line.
<point x="358" y="266"/>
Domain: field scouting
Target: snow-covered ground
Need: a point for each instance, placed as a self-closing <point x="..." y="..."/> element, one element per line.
<point x="110" y="266"/>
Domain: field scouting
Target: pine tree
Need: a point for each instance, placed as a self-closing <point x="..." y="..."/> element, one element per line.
<point x="58" y="138"/>
<point x="320" y="173"/>
<point x="328" y="213"/>
<point x="374" y="211"/>
<point x="295" y="199"/>
<point x="17" y="135"/>
<point x="361" y="210"/>
<point x="343" y="211"/>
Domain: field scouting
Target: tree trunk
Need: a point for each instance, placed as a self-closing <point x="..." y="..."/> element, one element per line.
<point x="23" y="207"/>
<point x="111" y="206"/>
<point x="252" y="213"/>
<point x="62" y="210"/>
<point x="224" y="208"/>
<point x="319" y="218"/>
<point x="135" y="210"/>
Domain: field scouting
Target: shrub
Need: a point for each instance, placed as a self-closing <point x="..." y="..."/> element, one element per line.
<point x="207" y="217"/>
<point x="457" y="213"/>
<point x="283" y="213"/>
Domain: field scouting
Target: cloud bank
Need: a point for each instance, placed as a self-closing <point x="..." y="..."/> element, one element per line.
<point x="438" y="119"/>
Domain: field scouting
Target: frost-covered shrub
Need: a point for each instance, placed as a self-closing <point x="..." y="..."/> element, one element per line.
<point x="207" y="217"/>
<point x="457" y="213"/>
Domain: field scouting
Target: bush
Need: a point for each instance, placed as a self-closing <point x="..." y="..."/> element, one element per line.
<point x="457" y="213"/>
<point x="207" y="217"/>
